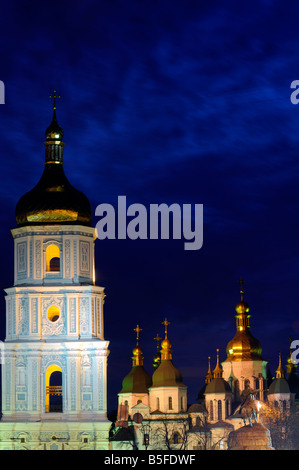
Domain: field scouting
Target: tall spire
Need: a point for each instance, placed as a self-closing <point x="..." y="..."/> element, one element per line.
<point x="218" y="371"/>
<point x="280" y="370"/>
<point x="209" y="375"/>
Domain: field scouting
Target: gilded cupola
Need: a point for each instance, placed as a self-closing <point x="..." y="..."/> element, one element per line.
<point x="243" y="347"/>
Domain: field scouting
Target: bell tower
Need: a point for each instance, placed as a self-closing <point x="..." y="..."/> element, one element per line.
<point x="54" y="381"/>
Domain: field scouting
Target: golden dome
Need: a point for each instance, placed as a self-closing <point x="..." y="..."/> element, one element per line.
<point x="166" y="344"/>
<point x="243" y="347"/>
<point x="137" y="351"/>
<point x="242" y="307"/>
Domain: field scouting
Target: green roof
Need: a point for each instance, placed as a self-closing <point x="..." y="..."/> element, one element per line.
<point x="137" y="381"/>
<point x="279" y="386"/>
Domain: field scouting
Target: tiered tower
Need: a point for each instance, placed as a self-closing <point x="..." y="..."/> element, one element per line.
<point x="54" y="375"/>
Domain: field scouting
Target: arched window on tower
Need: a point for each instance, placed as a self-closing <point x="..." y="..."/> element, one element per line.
<point x="219" y="410"/>
<point x="170" y="403"/>
<point x="211" y="411"/>
<point x="53" y="258"/>
<point x="53" y="389"/>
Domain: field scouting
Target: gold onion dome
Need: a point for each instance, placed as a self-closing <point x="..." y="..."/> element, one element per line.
<point x="244" y="346"/>
<point x="137" y="380"/>
<point x="167" y="374"/>
<point x="53" y="200"/>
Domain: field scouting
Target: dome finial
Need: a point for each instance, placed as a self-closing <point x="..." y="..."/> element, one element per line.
<point x="165" y="323"/>
<point x="280" y="370"/>
<point x="137" y="351"/>
<point x="54" y="96"/>
<point x="209" y="375"/>
<point x="218" y="369"/>
<point x="241" y="282"/>
<point x="157" y="358"/>
<point x="137" y="329"/>
<point x="54" y="136"/>
<point x="166" y="352"/>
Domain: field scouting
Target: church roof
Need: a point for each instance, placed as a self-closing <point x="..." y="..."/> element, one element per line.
<point x="167" y="375"/>
<point x="137" y="381"/>
<point x="217" y="385"/>
<point x="279" y="386"/>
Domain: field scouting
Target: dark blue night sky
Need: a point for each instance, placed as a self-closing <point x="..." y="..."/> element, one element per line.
<point x="174" y="102"/>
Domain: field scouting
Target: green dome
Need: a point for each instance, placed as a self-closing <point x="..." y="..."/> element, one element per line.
<point x="279" y="386"/>
<point x="137" y="381"/>
<point x="167" y="375"/>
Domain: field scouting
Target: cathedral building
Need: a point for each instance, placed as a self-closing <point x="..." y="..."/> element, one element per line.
<point x="157" y="406"/>
<point x="54" y="363"/>
<point x="54" y="375"/>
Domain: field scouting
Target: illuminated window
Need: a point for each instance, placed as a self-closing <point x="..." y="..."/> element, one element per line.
<point x="53" y="389"/>
<point x="53" y="258"/>
<point x="53" y="313"/>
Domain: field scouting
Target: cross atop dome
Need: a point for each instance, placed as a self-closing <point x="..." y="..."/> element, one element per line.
<point x="54" y="96"/>
<point x="166" y="323"/>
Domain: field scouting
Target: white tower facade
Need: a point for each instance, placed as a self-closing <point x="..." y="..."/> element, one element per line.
<point x="54" y="376"/>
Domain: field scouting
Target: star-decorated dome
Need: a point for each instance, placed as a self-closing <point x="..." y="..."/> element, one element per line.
<point x="53" y="200"/>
